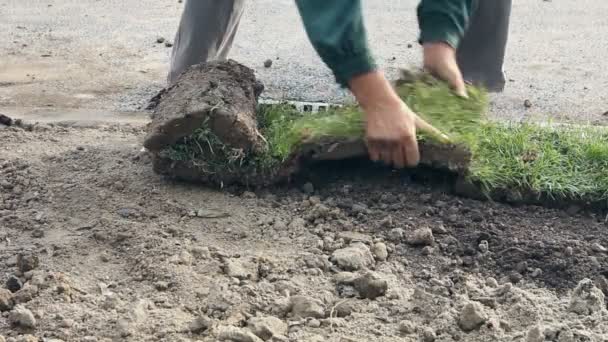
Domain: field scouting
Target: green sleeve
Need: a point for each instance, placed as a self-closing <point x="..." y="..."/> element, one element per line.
<point x="337" y="32"/>
<point x="444" y="20"/>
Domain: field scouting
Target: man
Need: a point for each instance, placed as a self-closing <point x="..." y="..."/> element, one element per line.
<point x="467" y="35"/>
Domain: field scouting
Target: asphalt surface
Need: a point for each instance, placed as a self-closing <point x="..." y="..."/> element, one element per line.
<point x="67" y="54"/>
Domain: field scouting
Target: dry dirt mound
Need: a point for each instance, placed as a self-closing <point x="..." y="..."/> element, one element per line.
<point x="95" y="247"/>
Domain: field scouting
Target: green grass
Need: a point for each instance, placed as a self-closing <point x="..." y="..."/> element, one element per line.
<point x="558" y="162"/>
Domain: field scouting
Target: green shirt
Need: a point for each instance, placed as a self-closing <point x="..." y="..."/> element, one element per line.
<point x="337" y="32"/>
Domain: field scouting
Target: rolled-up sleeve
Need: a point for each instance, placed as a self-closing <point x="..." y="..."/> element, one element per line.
<point x="337" y="32"/>
<point x="444" y="20"/>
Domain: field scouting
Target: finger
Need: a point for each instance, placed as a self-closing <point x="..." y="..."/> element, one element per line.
<point x="398" y="157"/>
<point x="428" y="128"/>
<point x="410" y="151"/>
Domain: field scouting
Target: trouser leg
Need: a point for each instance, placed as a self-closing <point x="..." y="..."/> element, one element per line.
<point x="206" y="31"/>
<point x="482" y="51"/>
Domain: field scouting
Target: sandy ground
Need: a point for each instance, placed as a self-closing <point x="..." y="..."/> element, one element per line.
<point x="103" y="55"/>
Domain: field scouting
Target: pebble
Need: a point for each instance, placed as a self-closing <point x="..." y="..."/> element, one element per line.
<point x="160" y="40"/>
<point x="380" y="251"/>
<point x="230" y="333"/>
<point x="22" y="317"/>
<point x="370" y="286"/>
<point x="428" y="335"/>
<point x="268" y="63"/>
<point x="6" y="300"/>
<point x="267" y="327"/>
<point x="472" y="316"/>
<point x="168" y="44"/>
<point x="345" y="309"/>
<point x="483" y="246"/>
<point x="200" y="324"/>
<point x="569" y="251"/>
<point x="427" y="250"/>
<point x="596" y="247"/>
<point x="421" y="237"/>
<point x="234" y="268"/>
<point x="13" y="284"/>
<point x="27" y="262"/>
<point x="439" y="230"/>
<point x="536" y="334"/>
<point x="352" y="237"/>
<point x="201" y="252"/>
<point x="407" y="327"/>
<point x="586" y="298"/>
<point x="396" y="234"/>
<point x="527" y="103"/>
<point x="307" y="188"/>
<point x="314" y="323"/>
<point x="352" y="258"/>
<point x="306" y="307"/>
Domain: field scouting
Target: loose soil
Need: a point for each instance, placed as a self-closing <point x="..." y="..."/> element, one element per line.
<point x="97" y="247"/>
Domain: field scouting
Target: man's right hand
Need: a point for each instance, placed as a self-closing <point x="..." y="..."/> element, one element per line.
<point x="390" y="124"/>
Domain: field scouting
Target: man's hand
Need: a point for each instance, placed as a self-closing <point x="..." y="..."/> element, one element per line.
<point x="440" y="60"/>
<point x="390" y="124"/>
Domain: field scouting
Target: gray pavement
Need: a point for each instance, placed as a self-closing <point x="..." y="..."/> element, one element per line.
<point x="61" y="55"/>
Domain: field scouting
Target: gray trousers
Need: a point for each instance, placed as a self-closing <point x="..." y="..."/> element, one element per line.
<point x="208" y="27"/>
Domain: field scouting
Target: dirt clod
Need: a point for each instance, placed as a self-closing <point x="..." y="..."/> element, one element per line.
<point x="380" y="251"/>
<point x="407" y="327"/>
<point x="6" y="300"/>
<point x="421" y="237"/>
<point x="229" y="333"/>
<point x="370" y="286"/>
<point x="428" y="335"/>
<point x="22" y="317"/>
<point x="586" y="299"/>
<point x="306" y="307"/>
<point x="200" y="324"/>
<point x="267" y="327"/>
<point x="27" y="262"/>
<point x="472" y="316"/>
<point x="352" y="258"/>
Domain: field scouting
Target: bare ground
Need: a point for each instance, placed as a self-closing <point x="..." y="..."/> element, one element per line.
<point x="105" y="250"/>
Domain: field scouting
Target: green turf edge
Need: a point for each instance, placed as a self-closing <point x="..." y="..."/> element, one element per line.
<point x="559" y="162"/>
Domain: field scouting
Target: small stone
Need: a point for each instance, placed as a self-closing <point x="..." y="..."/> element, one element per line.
<point x="527" y="103"/>
<point x="565" y="335"/>
<point x="537" y="273"/>
<point x="201" y="252"/>
<point x="200" y="324"/>
<point x="22" y="317"/>
<point x="185" y="258"/>
<point x="515" y="277"/>
<point x="14" y="284"/>
<point x="267" y="327"/>
<point x="586" y="299"/>
<point x="305" y="307"/>
<point x="268" y="63"/>
<point x="428" y="335"/>
<point x="492" y="282"/>
<point x="483" y="246"/>
<point x="439" y="229"/>
<point x="352" y="258"/>
<point x="307" y="188"/>
<point x="536" y="334"/>
<point x="234" y="268"/>
<point x="229" y="333"/>
<point x="6" y="300"/>
<point x="569" y="251"/>
<point x="387" y="222"/>
<point x="427" y="250"/>
<point x="161" y="286"/>
<point x="345" y="309"/>
<point x="370" y="286"/>
<point x="160" y="40"/>
<point x="38" y="233"/>
<point x="472" y="317"/>
<point x="380" y="251"/>
<point x="66" y="323"/>
<point x="314" y="323"/>
<point x="168" y="44"/>
<point x="27" y="262"/>
<point x="407" y="327"/>
<point x="396" y="234"/>
<point x="596" y="247"/>
<point x="409" y="46"/>
<point x="352" y="237"/>
<point x="421" y="237"/>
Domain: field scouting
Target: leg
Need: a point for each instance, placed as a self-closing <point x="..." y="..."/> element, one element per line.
<point x="206" y="32"/>
<point x="482" y="51"/>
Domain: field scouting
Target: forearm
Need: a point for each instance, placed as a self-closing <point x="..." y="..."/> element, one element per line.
<point x="337" y="32"/>
<point x="445" y="20"/>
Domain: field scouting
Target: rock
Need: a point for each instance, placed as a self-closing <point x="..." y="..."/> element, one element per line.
<point x="421" y="237"/>
<point x="536" y="334"/>
<point x="267" y="327"/>
<point x="387" y="222"/>
<point x="352" y="237"/>
<point x="527" y="103"/>
<point x="428" y="335"/>
<point x="268" y="63"/>
<point x="439" y="229"/>
<point x="168" y="44"/>
<point x="160" y="40"/>
<point x="6" y="300"/>
<point x="427" y="250"/>
<point x="305" y="307"/>
<point x="27" y="262"/>
<point x="314" y="323"/>
<point x="472" y="317"/>
<point x="307" y="188"/>
<point x="201" y="252"/>
<point x="586" y="299"/>
<point x="229" y="333"/>
<point x="200" y="324"/>
<point x="354" y="257"/>
<point x="483" y="247"/>
<point x="344" y="309"/>
<point x="596" y="247"/>
<point x="380" y="251"/>
<point x="14" y="284"/>
<point x="185" y="258"/>
<point x="27" y="293"/>
<point x="370" y="286"/>
<point x="565" y="335"/>
<point x="569" y="251"/>
<point x="297" y="223"/>
<point x="396" y="234"/>
<point x="407" y="327"/>
<point x="235" y="268"/>
<point x="22" y="317"/>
